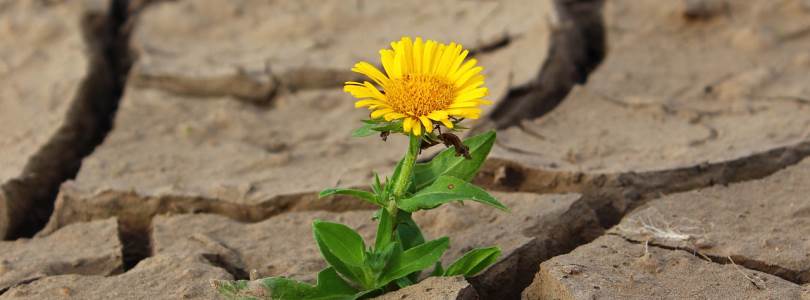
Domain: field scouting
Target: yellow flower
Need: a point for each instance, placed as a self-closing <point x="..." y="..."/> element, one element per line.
<point x="424" y="82"/>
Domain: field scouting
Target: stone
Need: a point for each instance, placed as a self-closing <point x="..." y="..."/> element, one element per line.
<point x="158" y="277"/>
<point x="613" y="268"/>
<point x="82" y="248"/>
<point x="537" y="228"/>
<point x="694" y="104"/>
<point x="47" y="84"/>
<point x="439" y="288"/>
<point x="760" y="224"/>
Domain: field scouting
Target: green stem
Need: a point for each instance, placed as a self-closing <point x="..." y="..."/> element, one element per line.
<point x="404" y="178"/>
<point x="400" y="185"/>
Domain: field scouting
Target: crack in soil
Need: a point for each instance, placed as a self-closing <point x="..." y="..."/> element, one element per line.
<point x="514" y="273"/>
<point x="88" y="121"/>
<point x="236" y="271"/>
<point x="749" y="264"/>
<point x="578" y="46"/>
<point x="613" y="194"/>
<point x="24" y="282"/>
<point x="135" y="213"/>
<point x="136" y="243"/>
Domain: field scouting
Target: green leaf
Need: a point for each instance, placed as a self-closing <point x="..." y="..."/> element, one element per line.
<point x="330" y="283"/>
<point x="394" y="126"/>
<point x="403" y="282"/>
<point x="438" y="270"/>
<point x="414" y="259"/>
<point x="410" y="236"/>
<point x="384" y="230"/>
<point x="359" y="194"/>
<point x="447" y="163"/>
<point x="375" y="126"/>
<point x="376" y="187"/>
<point x="408" y="231"/>
<point x="285" y="288"/>
<point x="377" y="260"/>
<point x="353" y="273"/>
<point x="236" y="290"/>
<point x="330" y="286"/>
<point x="447" y="189"/>
<point x="473" y="262"/>
<point x="266" y="288"/>
<point x="342" y="241"/>
<point x="363" y="131"/>
<point x="368" y="293"/>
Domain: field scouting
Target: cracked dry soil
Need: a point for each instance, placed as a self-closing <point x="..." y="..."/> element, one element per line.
<point x="648" y="149"/>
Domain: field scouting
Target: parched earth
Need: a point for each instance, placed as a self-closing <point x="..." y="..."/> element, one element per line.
<point x="647" y="149"/>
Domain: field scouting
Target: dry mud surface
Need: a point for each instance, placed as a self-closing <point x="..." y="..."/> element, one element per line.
<point x="90" y="248"/>
<point x="760" y="224"/>
<point x="672" y="170"/>
<point x="613" y="268"/>
<point x="679" y="102"/>
<point x="52" y="82"/>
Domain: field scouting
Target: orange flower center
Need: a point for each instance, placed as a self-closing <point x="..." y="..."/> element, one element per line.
<point x="420" y="94"/>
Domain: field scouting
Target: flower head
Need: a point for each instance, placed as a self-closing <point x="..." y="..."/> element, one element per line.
<point x="424" y="82"/>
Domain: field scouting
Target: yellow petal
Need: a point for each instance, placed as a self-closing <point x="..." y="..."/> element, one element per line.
<point x="457" y="62"/>
<point x="367" y="90"/>
<point x="417" y="128"/>
<point x="406" y="124"/>
<point x="437" y="58"/>
<point x="463" y="69"/>
<point x="371" y="71"/>
<point x="387" y="58"/>
<point x="418" y="50"/>
<point x="472" y="83"/>
<point x="471" y="113"/>
<point x="407" y="48"/>
<point x="368" y="102"/>
<point x="447" y="123"/>
<point x="430" y="47"/>
<point x="393" y="116"/>
<point x="472" y="95"/>
<point x="448" y="56"/>
<point x="427" y="123"/>
<point x="461" y="80"/>
<point x="399" y="57"/>
<point x="379" y="113"/>
<point x="438" y="115"/>
<point x="362" y="92"/>
<point x="464" y="104"/>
